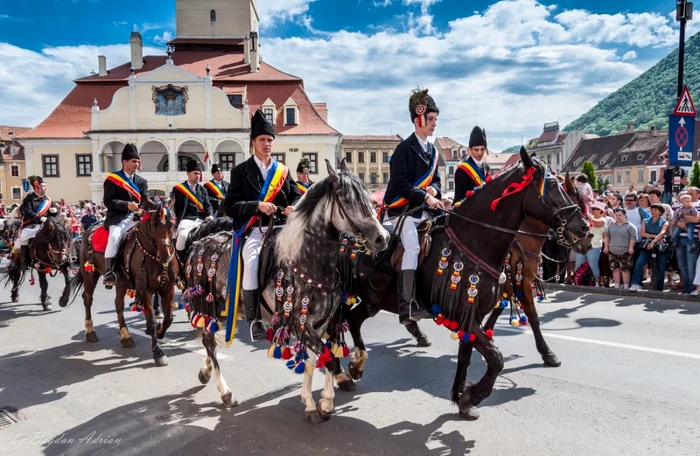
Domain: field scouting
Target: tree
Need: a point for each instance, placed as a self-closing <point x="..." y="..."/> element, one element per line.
<point x="695" y="175"/>
<point x="589" y="171"/>
<point x="601" y="183"/>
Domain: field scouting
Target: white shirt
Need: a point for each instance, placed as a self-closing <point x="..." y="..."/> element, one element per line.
<point x="423" y="143"/>
<point x="635" y="219"/>
<point x="131" y="177"/>
<point x="263" y="169"/>
<point x="192" y="187"/>
<point x="478" y="162"/>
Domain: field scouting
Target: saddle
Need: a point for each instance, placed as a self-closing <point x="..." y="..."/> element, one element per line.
<point x="425" y="240"/>
<point x="100" y="236"/>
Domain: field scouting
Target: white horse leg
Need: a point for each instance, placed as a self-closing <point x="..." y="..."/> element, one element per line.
<point x="307" y="397"/>
<point x="226" y="394"/>
<point x="205" y="372"/>
<point x="328" y="393"/>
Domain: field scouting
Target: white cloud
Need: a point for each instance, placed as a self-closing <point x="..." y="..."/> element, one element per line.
<point x="164" y="38"/>
<point x="629" y="55"/>
<point x="424" y="4"/>
<point x="271" y="11"/>
<point x="381" y="2"/>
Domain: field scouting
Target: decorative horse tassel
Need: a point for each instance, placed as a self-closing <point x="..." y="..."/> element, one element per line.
<point x="89" y="267"/>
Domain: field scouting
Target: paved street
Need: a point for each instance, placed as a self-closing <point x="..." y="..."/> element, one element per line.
<point x="627" y="385"/>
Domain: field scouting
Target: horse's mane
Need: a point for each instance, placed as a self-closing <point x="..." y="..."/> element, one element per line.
<point x="349" y="187"/>
<point x="61" y="234"/>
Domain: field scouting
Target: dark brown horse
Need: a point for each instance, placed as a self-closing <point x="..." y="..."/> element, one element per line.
<point x="472" y="247"/>
<point x="146" y="264"/>
<point x="49" y="252"/>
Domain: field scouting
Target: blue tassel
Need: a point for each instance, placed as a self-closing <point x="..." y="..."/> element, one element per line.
<point x="290" y="364"/>
<point x="328" y="344"/>
<point x="180" y="305"/>
<point x="301" y="367"/>
<point x="277" y="354"/>
<point x="436" y="310"/>
<point x="523" y="319"/>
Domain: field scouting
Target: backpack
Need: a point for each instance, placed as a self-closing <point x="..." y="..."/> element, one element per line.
<point x="584" y="275"/>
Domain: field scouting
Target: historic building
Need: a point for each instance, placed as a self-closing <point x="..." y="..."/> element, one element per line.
<point x="12" y="167"/>
<point x="453" y="153"/>
<point x="554" y="146"/>
<point x="368" y="157"/>
<point x="194" y="103"/>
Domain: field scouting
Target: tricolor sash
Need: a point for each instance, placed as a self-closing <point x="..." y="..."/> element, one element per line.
<point x="126" y="184"/>
<point x="211" y="185"/>
<point x="474" y="172"/>
<point x="185" y="190"/>
<point x="270" y="189"/>
<point x="302" y="187"/>
<point x="43" y="209"/>
<point x="421" y="183"/>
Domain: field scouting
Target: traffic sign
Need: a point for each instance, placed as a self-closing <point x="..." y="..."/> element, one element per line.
<point x="680" y="140"/>
<point x="685" y="106"/>
<point x="25" y="185"/>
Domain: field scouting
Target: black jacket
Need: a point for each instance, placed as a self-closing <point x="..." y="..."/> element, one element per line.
<point x="241" y="201"/>
<point x="464" y="182"/>
<point x="185" y="209"/>
<point x="408" y="164"/>
<point x="30" y="206"/>
<point x="117" y="199"/>
<point x="214" y="198"/>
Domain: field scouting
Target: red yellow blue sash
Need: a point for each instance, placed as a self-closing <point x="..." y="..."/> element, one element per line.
<point x="421" y="183"/>
<point x="191" y="196"/>
<point x="211" y="185"/>
<point x="302" y="187"/>
<point x="276" y="177"/>
<point x="43" y="209"/>
<point x="123" y="182"/>
<point x="473" y="171"/>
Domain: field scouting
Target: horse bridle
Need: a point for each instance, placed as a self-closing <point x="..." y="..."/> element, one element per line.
<point x="157" y="258"/>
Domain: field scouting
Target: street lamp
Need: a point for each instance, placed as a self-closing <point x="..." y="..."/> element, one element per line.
<point x="684" y="12"/>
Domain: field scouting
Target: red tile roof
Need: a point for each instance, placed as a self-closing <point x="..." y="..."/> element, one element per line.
<point x="513" y="160"/>
<point x="372" y="138"/>
<point x="6" y="129"/>
<point x="547" y="136"/>
<point x="72" y="117"/>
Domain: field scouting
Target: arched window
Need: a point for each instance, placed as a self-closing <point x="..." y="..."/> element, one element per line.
<point x="212" y="16"/>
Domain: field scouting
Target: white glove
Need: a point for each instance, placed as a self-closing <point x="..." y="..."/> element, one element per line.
<point x="42" y="220"/>
<point x="53" y="210"/>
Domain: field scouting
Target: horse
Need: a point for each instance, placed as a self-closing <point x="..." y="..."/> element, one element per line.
<point x="146" y="265"/>
<point x="297" y="261"/>
<point x="474" y="241"/>
<point x="49" y="255"/>
<point x="524" y="256"/>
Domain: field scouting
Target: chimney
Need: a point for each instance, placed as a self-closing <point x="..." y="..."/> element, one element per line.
<point x="102" y="60"/>
<point x="654" y="131"/>
<point x="630" y="127"/>
<point x="246" y="51"/>
<point x="136" y="50"/>
<point x="322" y="109"/>
<point x="254" y="52"/>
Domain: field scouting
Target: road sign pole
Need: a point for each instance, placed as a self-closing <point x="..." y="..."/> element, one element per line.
<point x="684" y="13"/>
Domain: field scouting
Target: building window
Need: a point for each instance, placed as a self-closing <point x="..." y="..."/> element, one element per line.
<point x="182" y="163"/>
<point x="235" y="100"/>
<point x="227" y="161"/>
<point x="362" y="177"/>
<point x="14" y="150"/>
<point x="291" y="116"/>
<point x="385" y="178"/>
<point x="212" y="16"/>
<point x="450" y="185"/>
<point x="640" y="174"/>
<point x="348" y="157"/>
<point x="652" y="175"/>
<point x="16" y="193"/>
<point x="280" y="157"/>
<point x="385" y="157"/>
<point x="451" y="170"/>
<point x="268" y="114"/>
<point x="628" y="174"/>
<point x="83" y="165"/>
<point x="14" y="170"/>
<point x="373" y="178"/>
<point x="373" y="157"/>
<point x="557" y="159"/>
<point x="618" y="175"/>
<point x="313" y="158"/>
<point x="50" y="163"/>
<point x="623" y="158"/>
<point x="360" y="157"/>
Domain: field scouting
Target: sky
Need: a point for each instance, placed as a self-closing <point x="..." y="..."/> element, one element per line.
<point x="509" y="66"/>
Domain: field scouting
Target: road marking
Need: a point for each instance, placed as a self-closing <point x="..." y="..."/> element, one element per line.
<point x="660" y="351"/>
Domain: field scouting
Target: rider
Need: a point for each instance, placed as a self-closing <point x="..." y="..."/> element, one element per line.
<point x="216" y="188"/>
<point x="192" y="206"/>
<point x="414" y="181"/>
<point x="34" y="209"/>
<point x="244" y="201"/>
<point x="124" y="192"/>
<point x="473" y="172"/>
<point x="303" y="181"/>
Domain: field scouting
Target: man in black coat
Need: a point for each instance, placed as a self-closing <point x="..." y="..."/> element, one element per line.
<point x="216" y="189"/>
<point x="243" y="202"/>
<point x="192" y="206"/>
<point x="473" y="172"/>
<point x="124" y="193"/>
<point x="34" y="209"/>
<point x="414" y="181"/>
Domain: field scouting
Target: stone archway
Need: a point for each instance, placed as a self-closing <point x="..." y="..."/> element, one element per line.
<point x="228" y="153"/>
<point x="110" y="156"/>
<point x="189" y="150"/>
<point x="153" y="154"/>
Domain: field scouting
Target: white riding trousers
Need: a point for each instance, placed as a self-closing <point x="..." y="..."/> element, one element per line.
<point x="28" y="233"/>
<point x="183" y="230"/>
<point x="251" y="259"/>
<point x="116" y="234"/>
<point x="409" y="239"/>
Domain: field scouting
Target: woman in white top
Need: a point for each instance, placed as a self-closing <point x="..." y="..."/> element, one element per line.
<point x="598" y="221"/>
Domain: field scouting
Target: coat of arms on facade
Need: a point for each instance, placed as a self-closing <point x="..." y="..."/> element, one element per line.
<point x="170" y="100"/>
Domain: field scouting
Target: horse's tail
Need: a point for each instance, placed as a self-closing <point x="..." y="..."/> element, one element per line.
<point x="14" y="274"/>
<point x="76" y="285"/>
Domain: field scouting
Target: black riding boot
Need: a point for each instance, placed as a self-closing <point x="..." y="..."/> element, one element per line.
<point x="409" y="310"/>
<point x="253" y="314"/>
<point x="110" y="277"/>
<point x="26" y="257"/>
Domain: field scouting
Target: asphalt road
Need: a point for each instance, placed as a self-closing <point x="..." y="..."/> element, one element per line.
<point x="628" y="384"/>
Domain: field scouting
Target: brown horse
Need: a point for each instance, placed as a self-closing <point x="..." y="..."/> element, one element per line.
<point x="146" y="264"/>
<point x="525" y="255"/>
<point x="49" y="252"/>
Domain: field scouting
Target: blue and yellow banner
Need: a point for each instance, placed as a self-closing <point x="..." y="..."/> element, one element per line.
<point x="302" y="187"/>
<point x="211" y="185"/>
<point x="192" y="197"/>
<point x="473" y="171"/>
<point x="125" y="183"/>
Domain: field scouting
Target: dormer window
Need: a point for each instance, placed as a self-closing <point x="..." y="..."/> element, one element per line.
<point x="269" y="115"/>
<point x="640" y="157"/>
<point x="212" y="16"/>
<point x="623" y="158"/>
<point x="291" y="116"/>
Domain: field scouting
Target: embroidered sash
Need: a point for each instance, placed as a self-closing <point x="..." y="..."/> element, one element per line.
<point x="474" y="172"/>
<point x="276" y="177"/>
<point x="185" y="190"/>
<point x="123" y="182"/>
<point x="211" y="185"/>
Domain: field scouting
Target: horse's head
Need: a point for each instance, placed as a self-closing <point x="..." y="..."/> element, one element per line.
<point x="53" y="240"/>
<point x="581" y="245"/>
<point x="550" y="203"/>
<point x="160" y="228"/>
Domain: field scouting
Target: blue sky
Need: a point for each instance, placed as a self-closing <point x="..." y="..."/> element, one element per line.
<point x="510" y="65"/>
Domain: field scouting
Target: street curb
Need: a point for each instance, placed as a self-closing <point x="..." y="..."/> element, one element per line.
<point x="667" y="295"/>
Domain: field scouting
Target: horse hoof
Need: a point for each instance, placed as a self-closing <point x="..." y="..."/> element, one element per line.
<point x="47" y="307"/>
<point x="317" y="416"/>
<point x="355" y="373"/>
<point x="325" y="416"/>
<point x="204" y="378"/>
<point x="551" y="360"/>
<point x="161" y="361"/>
<point x="63" y="302"/>
<point x="467" y="409"/>
<point x="228" y="399"/>
<point x="128" y="343"/>
<point x="91" y="337"/>
<point x="148" y="331"/>
<point x="423" y="342"/>
<point x="345" y="383"/>
<point x="15" y="297"/>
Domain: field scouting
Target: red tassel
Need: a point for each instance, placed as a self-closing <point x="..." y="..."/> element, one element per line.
<point x="287" y="353"/>
<point x="270" y="334"/>
<point x="460" y="335"/>
<point x="488" y="178"/>
<point x="472" y="337"/>
<point x="439" y="319"/>
<point x="446" y="323"/>
<point x="453" y="326"/>
<point x="346" y="351"/>
<point x="470" y="193"/>
<point x="489" y="333"/>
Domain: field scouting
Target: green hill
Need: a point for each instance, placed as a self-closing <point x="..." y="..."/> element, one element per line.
<point x="647" y="100"/>
<point x="511" y="150"/>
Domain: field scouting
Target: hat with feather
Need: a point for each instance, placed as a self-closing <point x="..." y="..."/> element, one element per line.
<point x="35" y="181"/>
<point x="303" y="163"/>
<point x="420" y="104"/>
